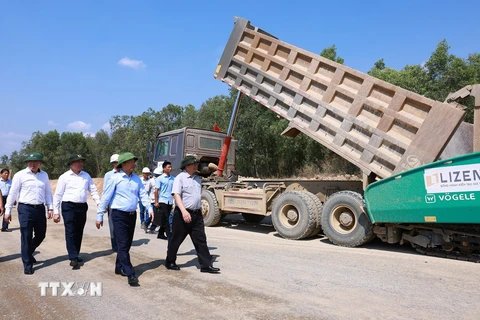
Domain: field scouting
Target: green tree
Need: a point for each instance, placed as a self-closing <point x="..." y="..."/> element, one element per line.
<point x="215" y="111"/>
<point x="441" y="74"/>
<point x="331" y="54"/>
<point x="4" y="159"/>
<point x="17" y="161"/>
<point x="100" y="153"/>
<point x="48" y="145"/>
<point x="189" y="118"/>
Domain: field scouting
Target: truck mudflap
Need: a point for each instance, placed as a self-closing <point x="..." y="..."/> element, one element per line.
<point x="443" y="192"/>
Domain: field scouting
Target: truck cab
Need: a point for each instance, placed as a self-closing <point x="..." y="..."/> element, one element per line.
<point x="205" y="144"/>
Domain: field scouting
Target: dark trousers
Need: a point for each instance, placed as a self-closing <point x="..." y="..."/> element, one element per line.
<point x="196" y="230"/>
<point x="164" y="212"/>
<point x="4" y="223"/>
<point x="32" y="221"/>
<point x="74" y="218"/>
<point x="113" y="240"/>
<point x="124" y="227"/>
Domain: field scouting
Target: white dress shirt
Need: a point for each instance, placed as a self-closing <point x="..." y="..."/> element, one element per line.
<point x="30" y="188"/>
<point x="73" y="187"/>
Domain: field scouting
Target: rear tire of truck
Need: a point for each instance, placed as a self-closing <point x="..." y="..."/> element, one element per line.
<point x="253" y="218"/>
<point x="294" y="215"/>
<point x="318" y="210"/>
<point x="344" y="220"/>
<point x="211" y="213"/>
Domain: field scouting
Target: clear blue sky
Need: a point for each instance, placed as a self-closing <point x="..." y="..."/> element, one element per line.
<point x="72" y="65"/>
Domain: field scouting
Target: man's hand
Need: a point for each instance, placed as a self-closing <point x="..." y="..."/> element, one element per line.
<point x="50" y="214"/>
<point x="156" y="204"/>
<point x="186" y="216"/>
<point x="98" y="224"/>
<point x="56" y="218"/>
<point x="2" y="211"/>
<point x="7" y="218"/>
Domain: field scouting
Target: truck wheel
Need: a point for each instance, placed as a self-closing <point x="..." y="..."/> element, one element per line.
<point x="211" y="213"/>
<point x="294" y="215"/>
<point x="254" y="218"/>
<point x="318" y="210"/>
<point x="344" y="220"/>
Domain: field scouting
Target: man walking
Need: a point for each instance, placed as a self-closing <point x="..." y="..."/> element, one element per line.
<point x="31" y="187"/>
<point x="150" y="225"/>
<point x="164" y="199"/>
<point x="71" y="194"/>
<point x="187" y="217"/>
<point x="106" y="178"/>
<point x="5" y="185"/>
<point x="123" y="191"/>
<point x="146" y="184"/>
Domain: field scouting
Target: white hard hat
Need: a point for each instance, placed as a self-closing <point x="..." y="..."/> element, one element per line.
<point x="114" y="158"/>
<point x="158" y="171"/>
<point x="146" y="170"/>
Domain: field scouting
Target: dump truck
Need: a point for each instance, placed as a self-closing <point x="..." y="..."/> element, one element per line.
<point x="421" y="178"/>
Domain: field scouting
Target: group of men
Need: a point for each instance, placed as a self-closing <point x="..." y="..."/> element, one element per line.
<point x="123" y="190"/>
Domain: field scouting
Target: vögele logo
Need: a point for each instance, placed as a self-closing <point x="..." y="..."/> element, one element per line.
<point x="70" y="289"/>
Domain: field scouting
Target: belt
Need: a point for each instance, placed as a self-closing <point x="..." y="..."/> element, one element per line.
<point x="74" y="202"/>
<point x="192" y="211"/>
<point x="32" y="205"/>
<point x="127" y="212"/>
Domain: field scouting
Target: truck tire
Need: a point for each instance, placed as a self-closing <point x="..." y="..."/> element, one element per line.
<point x="254" y="218"/>
<point x="344" y="220"/>
<point x="211" y="213"/>
<point x="318" y="210"/>
<point x="294" y="215"/>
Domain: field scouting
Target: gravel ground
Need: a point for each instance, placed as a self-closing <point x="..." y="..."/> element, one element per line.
<point x="263" y="277"/>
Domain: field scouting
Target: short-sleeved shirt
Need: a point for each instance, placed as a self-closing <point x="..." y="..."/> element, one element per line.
<point x="189" y="187"/>
<point x="5" y="186"/>
<point x="164" y="184"/>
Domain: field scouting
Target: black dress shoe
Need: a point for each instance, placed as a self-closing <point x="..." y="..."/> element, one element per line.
<point x="120" y="272"/>
<point x="6" y="230"/>
<point x="210" y="269"/>
<point x="132" y="280"/>
<point x="172" y="266"/>
<point x="161" y="236"/>
<point x="34" y="260"/>
<point x="28" y="270"/>
<point x="73" y="263"/>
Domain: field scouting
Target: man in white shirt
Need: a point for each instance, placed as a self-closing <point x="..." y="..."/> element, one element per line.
<point x="71" y="194"/>
<point x="144" y="210"/>
<point x="31" y="187"/>
<point x="150" y="188"/>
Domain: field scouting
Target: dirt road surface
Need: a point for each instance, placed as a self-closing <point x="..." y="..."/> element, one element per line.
<point x="263" y="277"/>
